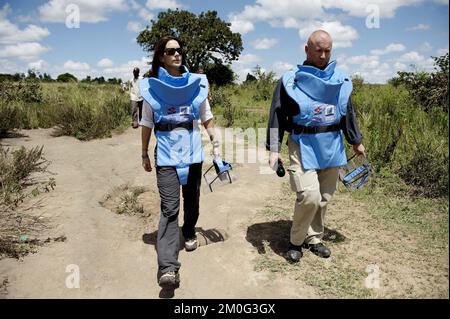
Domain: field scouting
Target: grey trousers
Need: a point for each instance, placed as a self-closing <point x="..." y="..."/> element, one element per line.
<point x="136" y="111"/>
<point x="168" y="242"/>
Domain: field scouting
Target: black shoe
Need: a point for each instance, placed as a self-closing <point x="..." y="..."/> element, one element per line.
<point x="169" y="279"/>
<point x="318" y="249"/>
<point x="294" y="253"/>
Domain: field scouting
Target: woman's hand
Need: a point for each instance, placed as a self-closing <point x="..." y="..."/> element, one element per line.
<point x="146" y="164"/>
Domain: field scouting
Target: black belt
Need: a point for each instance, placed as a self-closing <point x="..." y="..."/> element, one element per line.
<point x="300" y="129"/>
<point x="172" y="126"/>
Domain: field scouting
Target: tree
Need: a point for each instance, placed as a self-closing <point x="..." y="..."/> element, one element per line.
<point x="99" y="80"/>
<point x="429" y="90"/>
<point x="206" y="38"/>
<point x="47" y="77"/>
<point x="87" y="79"/>
<point x="219" y="74"/>
<point x="66" y="77"/>
<point x="250" y="78"/>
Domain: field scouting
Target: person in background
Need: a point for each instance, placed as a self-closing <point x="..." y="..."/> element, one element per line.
<point x="136" y="99"/>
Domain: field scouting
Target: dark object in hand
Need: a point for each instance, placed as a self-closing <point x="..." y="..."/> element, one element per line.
<point x="280" y="170"/>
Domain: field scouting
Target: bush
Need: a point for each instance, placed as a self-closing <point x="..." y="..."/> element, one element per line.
<point x="229" y="112"/>
<point x="264" y="84"/>
<point x="428" y="90"/>
<point x="15" y="173"/>
<point x="27" y="90"/>
<point x="86" y="118"/>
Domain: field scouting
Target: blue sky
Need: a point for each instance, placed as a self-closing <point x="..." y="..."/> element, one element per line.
<point x="372" y="38"/>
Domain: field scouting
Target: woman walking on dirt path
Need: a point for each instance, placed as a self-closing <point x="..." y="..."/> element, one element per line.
<point x="175" y="101"/>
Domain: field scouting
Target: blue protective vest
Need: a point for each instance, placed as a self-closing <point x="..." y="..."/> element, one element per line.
<point x="175" y="102"/>
<point x="322" y="96"/>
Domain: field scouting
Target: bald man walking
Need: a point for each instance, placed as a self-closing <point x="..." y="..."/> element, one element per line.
<point x="313" y="104"/>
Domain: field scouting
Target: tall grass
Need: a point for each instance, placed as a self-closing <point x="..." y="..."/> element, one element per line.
<point x="85" y="111"/>
<point x="403" y="139"/>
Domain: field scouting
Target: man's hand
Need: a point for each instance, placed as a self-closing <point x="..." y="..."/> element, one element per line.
<point x="359" y="149"/>
<point x="273" y="160"/>
<point x="146" y="164"/>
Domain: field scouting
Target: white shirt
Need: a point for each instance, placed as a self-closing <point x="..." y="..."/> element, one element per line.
<point x="147" y="114"/>
<point x="135" y="93"/>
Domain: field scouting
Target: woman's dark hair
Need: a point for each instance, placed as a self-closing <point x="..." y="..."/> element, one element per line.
<point x="159" y="51"/>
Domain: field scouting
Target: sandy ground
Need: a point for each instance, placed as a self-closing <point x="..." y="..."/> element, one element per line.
<point x="115" y="254"/>
<point x="243" y="231"/>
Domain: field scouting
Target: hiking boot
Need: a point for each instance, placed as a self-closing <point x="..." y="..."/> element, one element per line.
<point x="135" y="125"/>
<point x="294" y="253"/>
<point x="318" y="249"/>
<point x="170" y="278"/>
<point x="191" y="243"/>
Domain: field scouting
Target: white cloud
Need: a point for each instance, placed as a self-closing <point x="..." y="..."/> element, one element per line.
<point x="12" y="34"/>
<point x="76" y="66"/>
<point x="342" y="35"/>
<point x="134" y="4"/>
<point x="9" y="67"/>
<point x="5" y="11"/>
<point x="443" y="2"/>
<point x="134" y="26"/>
<point x="425" y="47"/>
<point x="280" y="67"/>
<point x="38" y="65"/>
<point x="125" y="70"/>
<point x="27" y="51"/>
<point x="240" y="25"/>
<point x="362" y="8"/>
<point x="417" y="60"/>
<point x="105" y="63"/>
<point x="163" y="4"/>
<point x="90" y="11"/>
<point x="442" y="51"/>
<point x="264" y="43"/>
<point x="248" y="59"/>
<point x="420" y="26"/>
<point x="393" y="47"/>
<point x="290" y="13"/>
<point x="278" y="13"/>
<point x="146" y="15"/>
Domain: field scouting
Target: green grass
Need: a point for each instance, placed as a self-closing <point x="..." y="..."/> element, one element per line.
<point x="390" y="202"/>
<point x="81" y="110"/>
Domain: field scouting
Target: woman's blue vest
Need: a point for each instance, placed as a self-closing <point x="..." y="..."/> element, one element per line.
<point x="322" y="97"/>
<point x="175" y="102"/>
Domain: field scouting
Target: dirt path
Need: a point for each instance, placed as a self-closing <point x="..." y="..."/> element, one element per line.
<point x="243" y="227"/>
<point x="115" y="256"/>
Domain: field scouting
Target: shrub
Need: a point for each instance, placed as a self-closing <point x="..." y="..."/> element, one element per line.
<point x="428" y="90"/>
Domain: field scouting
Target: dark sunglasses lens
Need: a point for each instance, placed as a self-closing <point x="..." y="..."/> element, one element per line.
<point x="171" y="51"/>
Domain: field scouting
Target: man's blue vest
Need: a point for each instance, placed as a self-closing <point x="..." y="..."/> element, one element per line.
<point x="175" y="102"/>
<point x="322" y="97"/>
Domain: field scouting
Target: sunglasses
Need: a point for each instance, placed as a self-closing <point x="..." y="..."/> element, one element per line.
<point x="171" y="51"/>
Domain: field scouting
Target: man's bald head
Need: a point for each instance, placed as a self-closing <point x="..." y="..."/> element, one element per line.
<point x="318" y="49"/>
<point x="320" y="36"/>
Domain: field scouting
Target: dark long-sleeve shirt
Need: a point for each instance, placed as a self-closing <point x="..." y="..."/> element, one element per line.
<point x="284" y="108"/>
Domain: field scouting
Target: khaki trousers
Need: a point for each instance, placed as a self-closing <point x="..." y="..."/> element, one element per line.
<point x="314" y="190"/>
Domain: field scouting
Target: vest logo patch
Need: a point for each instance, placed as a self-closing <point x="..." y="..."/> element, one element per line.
<point x="323" y="113"/>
